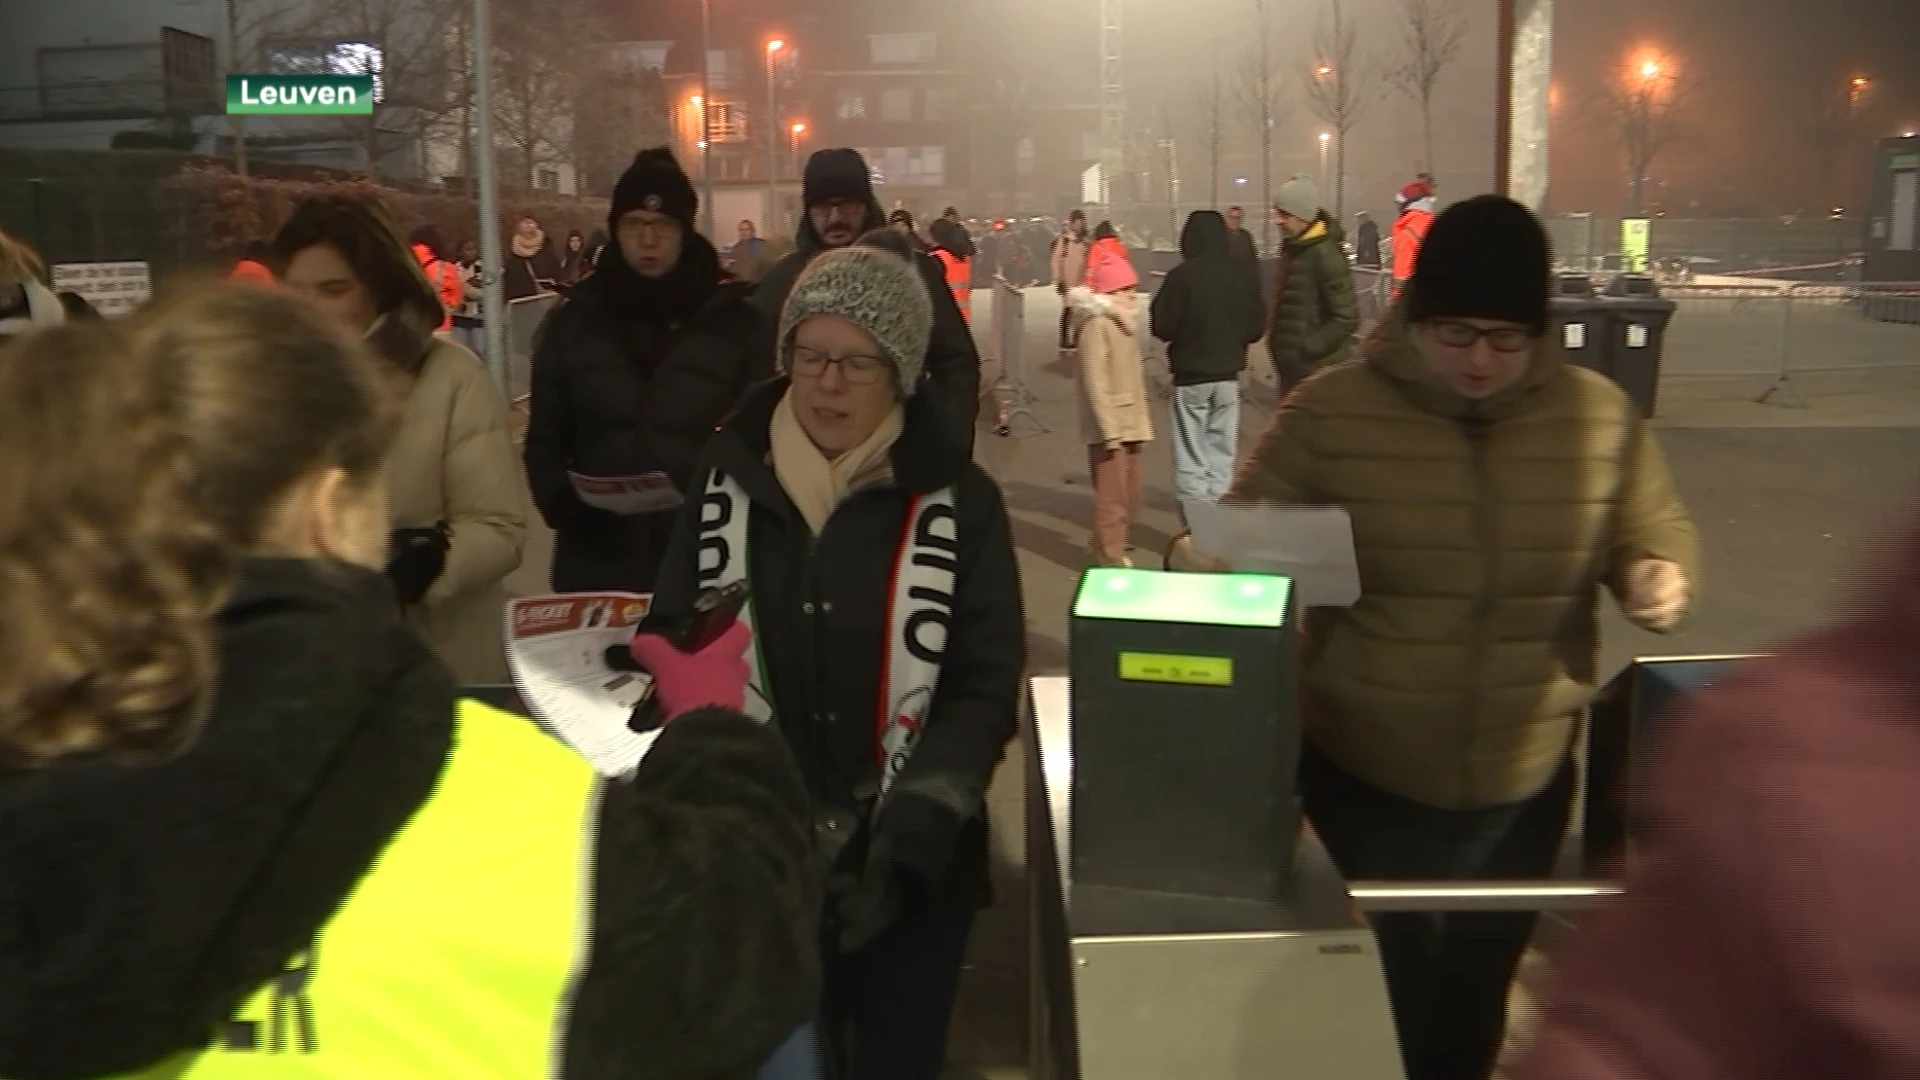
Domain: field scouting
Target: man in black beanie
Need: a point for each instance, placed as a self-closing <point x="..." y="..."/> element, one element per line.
<point x="1494" y="489"/>
<point x="841" y="208"/>
<point x="630" y="375"/>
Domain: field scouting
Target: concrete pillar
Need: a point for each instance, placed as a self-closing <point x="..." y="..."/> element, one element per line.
<point x="1532" y="68"/>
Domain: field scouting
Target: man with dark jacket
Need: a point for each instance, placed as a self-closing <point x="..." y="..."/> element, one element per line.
<point x="841" y="208"/>
<point x="1314" y="311"/>
<point x="1207" y="311"/>
<point x="631" y="375"/>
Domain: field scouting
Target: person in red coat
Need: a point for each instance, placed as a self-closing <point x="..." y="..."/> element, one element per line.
<point x="1768" y="927"/>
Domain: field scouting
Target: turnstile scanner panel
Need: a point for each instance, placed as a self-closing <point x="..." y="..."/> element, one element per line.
<point x="1186" y="742"/>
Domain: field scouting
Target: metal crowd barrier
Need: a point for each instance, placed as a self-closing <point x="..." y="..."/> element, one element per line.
<point x="1775" y="330"/>
<point x="1009" y="336"/>
<point x="524" y="317"/>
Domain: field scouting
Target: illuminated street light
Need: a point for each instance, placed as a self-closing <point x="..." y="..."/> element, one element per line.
<point x="776" y="45"/>
<point x="1650" y="69"/>
<point x="799" y="129"/>
<point x="1325" y="70"/>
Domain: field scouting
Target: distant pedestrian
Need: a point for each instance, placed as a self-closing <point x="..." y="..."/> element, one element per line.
<point x="445" y="277"/>
<point x="532" y="265"/>
<point x="1366" y="242"/>
<point x="1207" y="312"/>
<point x="573" y="258"/>
<point x="1068" y="262"/>
<point x="1410" y="230"/>
<point x="961" y="237"/>
<point x="1314" y="311"/>
<point x="1116" y="419"/>
<point x="954" y="250"/>
<point x="467" y="328"/>
<point x="749" y="257"/>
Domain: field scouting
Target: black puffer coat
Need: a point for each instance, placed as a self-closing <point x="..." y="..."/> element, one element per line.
<point x="953" y="361"/>
<point x="1208" y="310"/>
<point x="632" y="375"/>
<point x="820" y="609"/>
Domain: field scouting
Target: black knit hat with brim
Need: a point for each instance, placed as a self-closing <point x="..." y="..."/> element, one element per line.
<point x="1485" y="258"/>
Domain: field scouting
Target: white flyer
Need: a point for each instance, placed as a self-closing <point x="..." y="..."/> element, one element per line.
<point x="557" y="651"/>
<point x="1313" y="545"/>
<point x="646" y="493"/>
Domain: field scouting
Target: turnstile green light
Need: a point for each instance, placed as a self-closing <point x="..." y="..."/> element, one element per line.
<point x="1205" y="599"/>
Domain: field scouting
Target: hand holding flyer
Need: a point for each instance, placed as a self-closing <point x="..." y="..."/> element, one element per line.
<point x="557" y="651"/>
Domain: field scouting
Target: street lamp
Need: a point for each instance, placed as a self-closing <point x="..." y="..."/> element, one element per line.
<point x="1650" y="69"/>
<point x="773" y="145"/>
<point x="793" y="143"/>
<point x="1326" y="140"/>
<point x="706" y="94"/>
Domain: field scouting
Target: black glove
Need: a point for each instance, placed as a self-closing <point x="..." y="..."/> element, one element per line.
<point x="881" y="898"/>
<point x="415" y="560"/>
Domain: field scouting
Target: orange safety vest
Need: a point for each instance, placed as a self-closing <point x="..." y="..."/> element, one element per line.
<point x="1409" y="231"/>
<point x="959" y="279"/>
<point x="445" y="279"/>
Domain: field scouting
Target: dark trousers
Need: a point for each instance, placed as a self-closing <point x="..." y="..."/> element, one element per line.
<point x="884" y="1010"/>
<point x="1447" y="974"/>
<point x="1066" y="325"/>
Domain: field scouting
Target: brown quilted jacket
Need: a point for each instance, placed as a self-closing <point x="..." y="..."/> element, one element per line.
<point x="1484" y="532"/>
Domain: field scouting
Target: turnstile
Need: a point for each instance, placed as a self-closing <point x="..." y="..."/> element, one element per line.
<point x="1133" y="992"/>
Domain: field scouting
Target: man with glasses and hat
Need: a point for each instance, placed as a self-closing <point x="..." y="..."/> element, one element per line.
<point x="1494" y="490"/>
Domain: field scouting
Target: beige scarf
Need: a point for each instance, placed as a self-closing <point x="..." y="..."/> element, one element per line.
<point x="816" y="485"/>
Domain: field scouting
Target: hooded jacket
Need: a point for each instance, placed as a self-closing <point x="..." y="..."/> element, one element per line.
<point x="1207" y="310"/>
<point x="820" y="608"/>
<point x="1767" y="927"/>
<point x="140" y="905"/>
<point x="631" y="375"/>
<point x="1483" y="532"/>
<point x="1314" y="313"/>
<point x="953" y="361"/>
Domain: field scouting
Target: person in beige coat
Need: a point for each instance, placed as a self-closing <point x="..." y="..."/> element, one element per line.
<point x="459" y="498"/>
<point x="1116" y="421"/>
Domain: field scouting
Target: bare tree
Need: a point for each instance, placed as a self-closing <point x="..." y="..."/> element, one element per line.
<point x="1261" y="100"/>
<point x="403" y="45"/>
<point x="249" y="22"/>
<point x="1338" y="87"/>
<point x="541" y="77"/>
<point x="1433" y="32"/>
<point x="1646" y="104"/>
<point x="1208" y="108"/>
<point x="619" y="112"/>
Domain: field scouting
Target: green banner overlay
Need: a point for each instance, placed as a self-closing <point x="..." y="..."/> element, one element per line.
<point x="300" y="95"/>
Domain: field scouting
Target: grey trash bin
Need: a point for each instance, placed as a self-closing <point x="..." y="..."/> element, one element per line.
<point x="1578" y="324"/>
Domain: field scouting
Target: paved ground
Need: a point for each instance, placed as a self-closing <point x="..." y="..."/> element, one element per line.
<point x="1788" y="500"/>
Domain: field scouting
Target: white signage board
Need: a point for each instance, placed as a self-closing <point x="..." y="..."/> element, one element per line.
<point x="113" y="288"/>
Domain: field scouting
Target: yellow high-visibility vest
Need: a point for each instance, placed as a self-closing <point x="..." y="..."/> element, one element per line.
<point x="456" y="955"/>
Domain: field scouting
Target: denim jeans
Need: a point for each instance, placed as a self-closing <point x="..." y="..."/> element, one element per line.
<point x="888" y="1004"/>
<point x="1206" y="434"/>
<point x="797" y="1059"/>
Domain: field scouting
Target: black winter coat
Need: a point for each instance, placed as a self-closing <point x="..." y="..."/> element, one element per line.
<point x="632" y="376"/>
<point x="953" y="361"/>
<point x="820" y="609"/>
<point x="140" y="906"/>
<point x="1207" y="310"/>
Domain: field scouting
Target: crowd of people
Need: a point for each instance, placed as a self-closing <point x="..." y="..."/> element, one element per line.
<point x="253" y="545"/>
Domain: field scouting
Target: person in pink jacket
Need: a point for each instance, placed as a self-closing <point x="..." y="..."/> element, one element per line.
<point x="1768" y="928"/>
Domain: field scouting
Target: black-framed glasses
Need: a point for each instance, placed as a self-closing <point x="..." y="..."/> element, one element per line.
<point x="859" y="370"/>
<point x="1460" y="335"/>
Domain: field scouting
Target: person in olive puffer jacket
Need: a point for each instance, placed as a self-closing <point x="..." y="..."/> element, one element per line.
<point x="1494" y="489"/>
<point x="1314" y="313"/>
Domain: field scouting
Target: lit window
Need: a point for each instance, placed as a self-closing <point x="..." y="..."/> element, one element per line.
<point x="852" y="105"/>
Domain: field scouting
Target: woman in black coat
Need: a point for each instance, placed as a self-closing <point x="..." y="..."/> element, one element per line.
<point x="881" y="569"/>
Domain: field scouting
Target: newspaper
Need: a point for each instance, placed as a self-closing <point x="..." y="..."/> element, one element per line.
<point x="556" y="650"/>
<point x="1313" y="545"/>
<point x="646" y="493"/>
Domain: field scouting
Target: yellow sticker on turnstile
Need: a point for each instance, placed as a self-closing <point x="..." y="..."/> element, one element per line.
<point x="1185" y="670"/>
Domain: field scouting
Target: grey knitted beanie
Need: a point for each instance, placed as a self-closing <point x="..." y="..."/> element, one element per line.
<point x="880" y="292"/>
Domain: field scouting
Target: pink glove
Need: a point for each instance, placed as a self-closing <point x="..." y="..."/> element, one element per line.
<point x="716" y="675"/>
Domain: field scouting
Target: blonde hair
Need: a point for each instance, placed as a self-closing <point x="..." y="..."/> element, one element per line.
<point x="139" y="463"/>
<point x="108" y="576"/>
<point x="270" y="394"/>
<point x="19" y="264"/>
